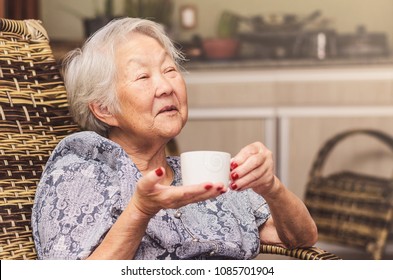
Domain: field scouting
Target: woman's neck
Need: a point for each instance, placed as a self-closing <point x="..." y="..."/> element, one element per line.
<point x="147" y="163"/>
<point x="147" y="157"/>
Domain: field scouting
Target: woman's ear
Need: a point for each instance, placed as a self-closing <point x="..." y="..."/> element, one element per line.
<point x="103" y="114"/>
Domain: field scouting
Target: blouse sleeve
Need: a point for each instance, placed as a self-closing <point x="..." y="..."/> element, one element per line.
<point x="77" y="201"/>
<point x="260" y="207"/>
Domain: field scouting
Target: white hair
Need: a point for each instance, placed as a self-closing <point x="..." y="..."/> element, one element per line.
<point x="90" y="72"/>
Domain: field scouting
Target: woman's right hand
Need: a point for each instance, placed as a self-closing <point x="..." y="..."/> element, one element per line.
<point x="124" y="237"/>
<point x="151" y="196"/>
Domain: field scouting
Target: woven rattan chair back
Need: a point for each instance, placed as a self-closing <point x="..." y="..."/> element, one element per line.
<point x="33" y="119"/>
<point x="350" y="208"/>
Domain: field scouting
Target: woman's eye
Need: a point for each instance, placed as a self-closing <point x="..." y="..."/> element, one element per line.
<point x="170" y="69"/>
<point x="142" y="77"/>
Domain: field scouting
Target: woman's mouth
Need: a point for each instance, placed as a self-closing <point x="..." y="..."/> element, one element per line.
<point x="168" y="109"/>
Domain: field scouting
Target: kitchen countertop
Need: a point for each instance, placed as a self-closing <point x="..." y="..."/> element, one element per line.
<point x="200" y="64"/>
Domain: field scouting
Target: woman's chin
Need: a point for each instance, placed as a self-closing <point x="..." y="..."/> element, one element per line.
<point x="170" y="126"/>
<point x="170" y="131"/>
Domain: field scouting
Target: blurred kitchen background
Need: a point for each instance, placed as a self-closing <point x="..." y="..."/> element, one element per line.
<point x="259" y="29"/>
<point x="289" y="73"/>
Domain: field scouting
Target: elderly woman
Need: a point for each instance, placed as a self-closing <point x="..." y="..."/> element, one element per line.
<point x="111" y="192"/>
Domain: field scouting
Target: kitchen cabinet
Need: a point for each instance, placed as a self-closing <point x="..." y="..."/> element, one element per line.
<point x="293" y="111"/>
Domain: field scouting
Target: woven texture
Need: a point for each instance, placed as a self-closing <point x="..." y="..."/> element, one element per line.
<point x="33" y="119"/>
<point x="350" y="208"/>
<point x="312" y="253"/>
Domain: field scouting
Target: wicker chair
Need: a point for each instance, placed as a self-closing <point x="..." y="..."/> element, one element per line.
<point x="349" y="208"/>
<point x="33" y="119"/>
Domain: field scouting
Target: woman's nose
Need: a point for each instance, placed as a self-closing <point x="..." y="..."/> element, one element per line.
<point x="163" y="86"/>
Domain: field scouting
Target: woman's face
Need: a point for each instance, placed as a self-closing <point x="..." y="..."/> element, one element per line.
<point x="151" y="91"/>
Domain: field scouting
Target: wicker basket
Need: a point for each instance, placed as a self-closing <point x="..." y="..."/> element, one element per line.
<point x="350" y="208"/>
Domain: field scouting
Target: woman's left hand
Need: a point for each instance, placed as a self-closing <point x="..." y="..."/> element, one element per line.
<point x="253" y="167"/>
<point x="290" y="224"/>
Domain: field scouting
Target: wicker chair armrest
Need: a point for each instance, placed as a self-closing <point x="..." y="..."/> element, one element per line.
<point x="311" y="253"/>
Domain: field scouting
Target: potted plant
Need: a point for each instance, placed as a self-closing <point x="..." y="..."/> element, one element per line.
<point x="226" y="44"/>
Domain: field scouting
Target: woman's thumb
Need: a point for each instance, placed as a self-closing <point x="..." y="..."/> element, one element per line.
<point x="152" y="177"/>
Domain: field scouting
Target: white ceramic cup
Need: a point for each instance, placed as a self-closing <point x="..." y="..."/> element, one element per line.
<point x="205" y="166"/>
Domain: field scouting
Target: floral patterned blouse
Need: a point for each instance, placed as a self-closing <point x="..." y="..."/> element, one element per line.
<point x="88" y="182"/>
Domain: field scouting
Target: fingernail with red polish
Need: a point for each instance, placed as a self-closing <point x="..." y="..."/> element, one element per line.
<point x="234" y="176"/>
<point x="208" y="187"/>
<point x="233" y="165"/>
<point x="219" y="188"/>
<point x="159" y="172"/>
<point x="233" y="186"/>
